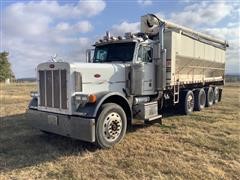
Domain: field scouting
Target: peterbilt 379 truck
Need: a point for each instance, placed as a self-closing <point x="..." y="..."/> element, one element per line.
<point x="129" y="77"/>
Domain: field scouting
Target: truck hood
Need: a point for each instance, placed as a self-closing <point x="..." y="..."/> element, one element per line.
<point x="98" y="77"/>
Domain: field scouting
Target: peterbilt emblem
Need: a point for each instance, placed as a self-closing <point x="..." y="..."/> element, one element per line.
<point x="97" y="75"/>
<point x="51" y="65"/>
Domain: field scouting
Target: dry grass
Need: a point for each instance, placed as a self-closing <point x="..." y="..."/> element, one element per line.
<point x="204" y="145"/>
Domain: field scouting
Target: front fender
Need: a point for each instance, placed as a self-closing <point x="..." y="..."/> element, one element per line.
<point x="91" y="110"/>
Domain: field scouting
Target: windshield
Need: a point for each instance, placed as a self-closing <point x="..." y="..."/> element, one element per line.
<point x="114" y="52"/>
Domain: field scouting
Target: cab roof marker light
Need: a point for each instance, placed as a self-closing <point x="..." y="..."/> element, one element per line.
<point x="113" y="38"/>
<point x="120" y="37"/>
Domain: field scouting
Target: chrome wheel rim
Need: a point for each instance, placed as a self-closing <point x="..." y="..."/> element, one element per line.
<point x="216" y="95"/>
<point x="202" y="99"/>
<point x="190" y="102"/>
<point x="211" y="96"/>
<point x="112" y="126"/>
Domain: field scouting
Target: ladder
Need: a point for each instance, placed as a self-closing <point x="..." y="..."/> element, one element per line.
<point x="176" y="93"/>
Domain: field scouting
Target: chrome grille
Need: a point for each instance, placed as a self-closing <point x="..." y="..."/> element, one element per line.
<point x="53" y="88"/>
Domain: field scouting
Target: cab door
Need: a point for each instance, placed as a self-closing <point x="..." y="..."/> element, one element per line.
<point x="145" y="55"/>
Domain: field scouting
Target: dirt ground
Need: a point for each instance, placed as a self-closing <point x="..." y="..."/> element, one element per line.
<point x="203" y="145"/>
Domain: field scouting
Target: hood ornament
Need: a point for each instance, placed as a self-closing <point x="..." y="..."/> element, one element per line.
<point x="53" y="58"/>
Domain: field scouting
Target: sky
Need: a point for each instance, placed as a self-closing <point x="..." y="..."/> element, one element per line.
<point x="34" y="31"/>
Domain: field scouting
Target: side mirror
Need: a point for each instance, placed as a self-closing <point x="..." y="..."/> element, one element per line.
<point x="89" y="55"/>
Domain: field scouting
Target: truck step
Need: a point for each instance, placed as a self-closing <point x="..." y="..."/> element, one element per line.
<point x="154" y="118"/>
<point x="176" y="93"/>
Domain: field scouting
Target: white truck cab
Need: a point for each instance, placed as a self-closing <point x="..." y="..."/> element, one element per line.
<point x="131" y="76"/>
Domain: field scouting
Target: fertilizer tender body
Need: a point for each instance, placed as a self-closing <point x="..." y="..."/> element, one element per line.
<point x="191" y="61"/>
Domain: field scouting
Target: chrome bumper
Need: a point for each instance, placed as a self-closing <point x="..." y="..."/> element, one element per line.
<point x="66" y="125"/>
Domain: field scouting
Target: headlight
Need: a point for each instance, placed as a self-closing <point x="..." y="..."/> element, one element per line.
<point x="34" y="94"/>
<point x="82" y="99"/>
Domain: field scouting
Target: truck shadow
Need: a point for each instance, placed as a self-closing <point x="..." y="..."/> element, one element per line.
<point x="171" y="111"/>
<point x="22" y="146"/>
<point x="168" y="112"/>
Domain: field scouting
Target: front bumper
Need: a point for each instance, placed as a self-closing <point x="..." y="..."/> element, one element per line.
<point x="66" y="125"/>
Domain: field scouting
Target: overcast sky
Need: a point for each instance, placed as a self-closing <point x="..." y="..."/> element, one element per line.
<point x="33" y="31"/>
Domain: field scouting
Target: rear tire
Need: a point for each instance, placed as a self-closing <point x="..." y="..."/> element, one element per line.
<point x="210" y="96"/>
<point x="187" y="100"/>
<point x="200" y="99"/>
<point x="220" y="95"/>
<point x="111" y="125"/>
<point x="216" y="95"/>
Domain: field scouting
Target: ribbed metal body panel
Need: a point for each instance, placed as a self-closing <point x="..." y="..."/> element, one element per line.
<point x="190" y="61"/>
<point x="53" y="88"/>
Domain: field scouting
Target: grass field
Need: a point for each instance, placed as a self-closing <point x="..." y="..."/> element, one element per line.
<point x="204" y="145"/>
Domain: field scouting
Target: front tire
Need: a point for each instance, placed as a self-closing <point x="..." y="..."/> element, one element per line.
<point x="111" y="125"/>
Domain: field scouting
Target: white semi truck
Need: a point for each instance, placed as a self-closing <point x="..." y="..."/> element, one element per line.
<point x="129" y="77"/>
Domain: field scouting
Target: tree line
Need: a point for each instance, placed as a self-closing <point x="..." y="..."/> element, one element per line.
<point x="5" y="67"/>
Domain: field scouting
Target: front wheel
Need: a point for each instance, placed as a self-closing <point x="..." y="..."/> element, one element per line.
<point x="111" y="125"/>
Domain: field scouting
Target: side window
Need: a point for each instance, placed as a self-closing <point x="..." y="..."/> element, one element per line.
<point x="145" y="53"/>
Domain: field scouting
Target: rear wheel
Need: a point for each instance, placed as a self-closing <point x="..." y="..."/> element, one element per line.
<point x="220" y="95"/>
<point x="216" y="95"/>
<point x="111" y="125"/>
<point x="187" y="102"/>
<point x="210" y="96"/>
<point x="200" y="99"/>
